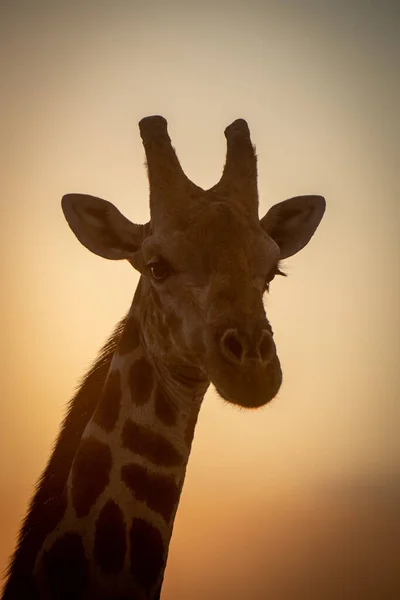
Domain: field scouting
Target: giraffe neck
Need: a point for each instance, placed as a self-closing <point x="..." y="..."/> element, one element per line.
<point x="125" y="482"/>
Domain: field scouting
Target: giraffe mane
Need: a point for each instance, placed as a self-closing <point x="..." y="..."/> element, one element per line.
<point x="53" y="479"/>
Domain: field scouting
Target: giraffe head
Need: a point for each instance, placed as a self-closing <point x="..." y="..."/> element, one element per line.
<point x="206" y="261"/>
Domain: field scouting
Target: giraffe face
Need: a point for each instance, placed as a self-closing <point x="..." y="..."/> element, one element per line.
<point x="206" y="261"/>
<point x="205" y="284"/>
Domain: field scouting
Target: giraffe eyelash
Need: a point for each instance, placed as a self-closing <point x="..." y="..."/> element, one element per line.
<point x="279" y="271"/>
<point x="271" y="276"/>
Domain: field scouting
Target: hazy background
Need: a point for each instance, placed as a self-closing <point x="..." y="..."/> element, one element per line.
<point x="300" y="500"/>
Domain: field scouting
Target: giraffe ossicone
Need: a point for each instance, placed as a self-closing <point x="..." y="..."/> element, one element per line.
<point x="101" y="520"/>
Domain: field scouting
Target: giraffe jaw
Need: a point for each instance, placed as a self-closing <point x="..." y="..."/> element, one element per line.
<point x="250" y="386"/>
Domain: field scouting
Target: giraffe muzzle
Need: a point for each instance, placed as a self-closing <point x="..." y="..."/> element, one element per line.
<point x="243" y="365"/>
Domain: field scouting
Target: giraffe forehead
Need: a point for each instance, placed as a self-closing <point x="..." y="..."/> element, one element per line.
<point x="214" y="236"/>
<point x="210" y="219"/>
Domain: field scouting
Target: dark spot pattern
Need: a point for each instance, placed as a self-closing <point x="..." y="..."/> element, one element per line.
<point x="66" y="568"/>
<point x="164" y="408"/>
<point x="130" y="338"/>
<point x="190" y="427"/>
<point x="110" y="538"/>
<point x="55" y="509"/>
<point x="153" y="446"/>
<point x="159" y="492"/>
<point x="25" y="586"/>
<point x="147" y="553"/>
<point x="107" y="412"/>
<point x="141" y="381"/>
<point x="90" y="474"/>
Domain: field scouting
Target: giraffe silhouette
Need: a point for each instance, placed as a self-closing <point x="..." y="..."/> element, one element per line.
<point x="101" y="520"/>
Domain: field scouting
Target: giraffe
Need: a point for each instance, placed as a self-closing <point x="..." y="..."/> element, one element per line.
<point x="101" y="520"/>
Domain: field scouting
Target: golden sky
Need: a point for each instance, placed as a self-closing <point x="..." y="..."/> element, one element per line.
<point x="318" y="84"/>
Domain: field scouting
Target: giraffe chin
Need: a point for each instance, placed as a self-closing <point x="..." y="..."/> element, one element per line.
<point x="249" y="386"/>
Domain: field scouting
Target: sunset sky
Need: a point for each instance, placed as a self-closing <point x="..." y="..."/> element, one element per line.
<point x="318" y="83"/>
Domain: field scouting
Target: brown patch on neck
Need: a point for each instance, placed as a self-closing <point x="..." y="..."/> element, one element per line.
<point x="66" y="568"/>
<point x="164" y="408"/>
<point x="141" y="381"/>
<point x="110" y="538"/>
<point x="159" y="492"/>
<point x="130" y="338"/>
<point x="153" y="446"/>
<point x="147" y="553"/>
<point x="90" y="474"/>
<point x="107" y="412"/>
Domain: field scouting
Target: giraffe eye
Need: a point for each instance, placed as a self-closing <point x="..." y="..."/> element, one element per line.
<point x="159" y="269"/>
<point x="271" y="276"/>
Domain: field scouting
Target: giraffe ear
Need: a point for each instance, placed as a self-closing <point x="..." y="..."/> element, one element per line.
<point x="292" y="223"/>
<point x="100" y="227"/>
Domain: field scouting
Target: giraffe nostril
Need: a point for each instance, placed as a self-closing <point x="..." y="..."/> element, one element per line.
<point x="266" y="348"/>
<point x="231" y="346"/>
<point x="237" y="348"/>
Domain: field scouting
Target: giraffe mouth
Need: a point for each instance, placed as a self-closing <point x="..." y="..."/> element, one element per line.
<point x="251" y="385"/>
